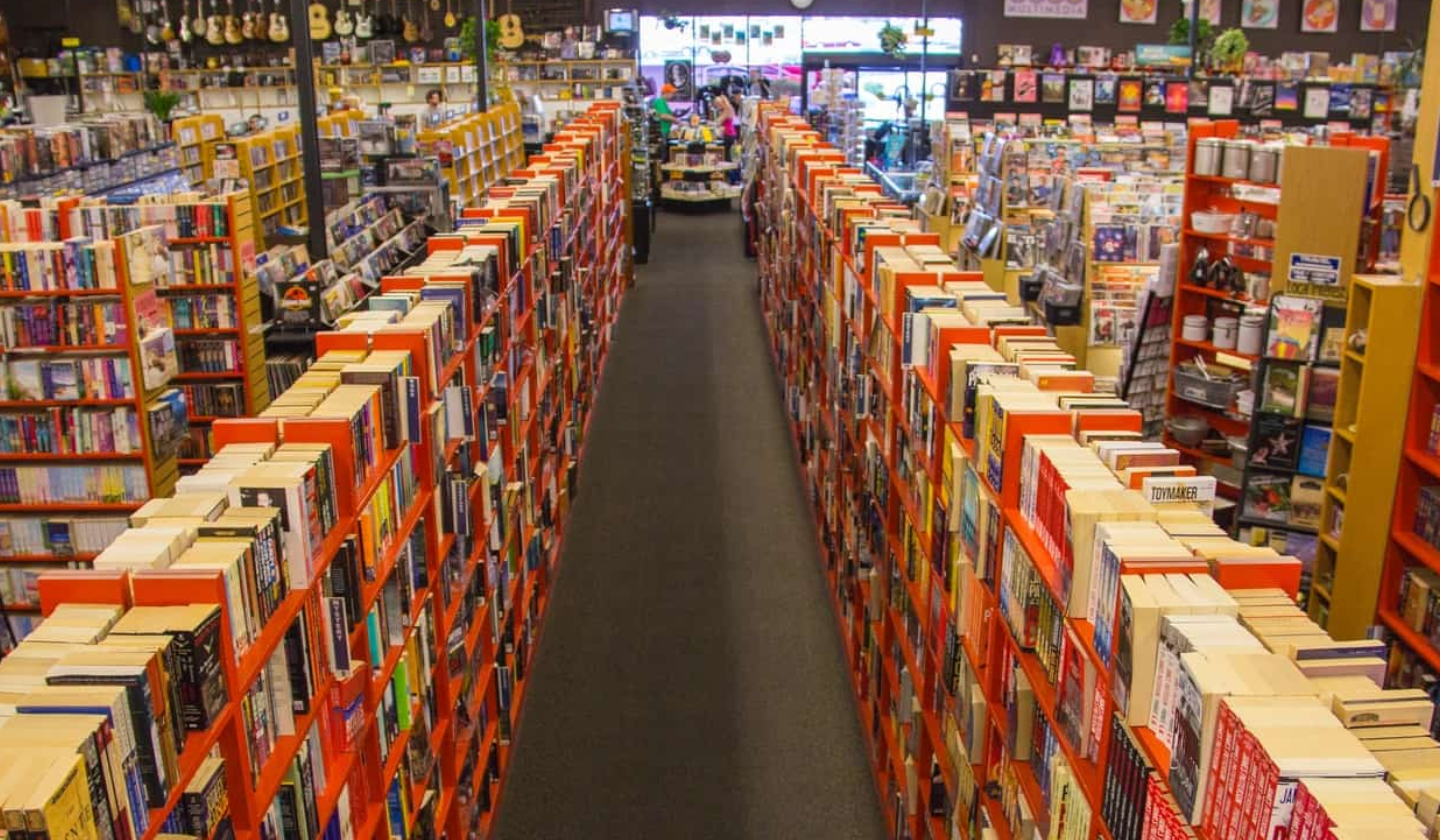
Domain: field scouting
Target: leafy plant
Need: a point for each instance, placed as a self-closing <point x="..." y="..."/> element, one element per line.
<point x="1229" y="49"/>
<point x="1204" y="35"/>
<point x="161" y="103"/>
<point x="892" y="39"/>
<point x="467" y="39"/>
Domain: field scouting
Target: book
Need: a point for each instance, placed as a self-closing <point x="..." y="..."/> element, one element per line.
<point x="1294" y="328"/>
<point x="1278" y="441"/>
<point x="1284" y="391"/>
<point x="1322" y="392"/>
<point x="1314" y="450"/>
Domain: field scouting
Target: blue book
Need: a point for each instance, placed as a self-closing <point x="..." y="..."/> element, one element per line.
<point x="1314" y="450"/>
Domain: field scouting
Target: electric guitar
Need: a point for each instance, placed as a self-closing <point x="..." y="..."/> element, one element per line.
<point x="344" y="24"/>
<point x="410" y="32"/>
<point x="364" y="23"/>
<point x="279" y="27"/>
<point x="186" y="34"/>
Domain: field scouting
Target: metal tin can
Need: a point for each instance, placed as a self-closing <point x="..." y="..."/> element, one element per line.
<point x="1207" y="156"/>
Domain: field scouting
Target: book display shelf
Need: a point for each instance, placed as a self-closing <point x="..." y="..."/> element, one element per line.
<point x="269" y="162"/>
<point x="212" y="296"/>
<point x="1047" y="633"/>
<point x="91" y="421"/>
<point x="476" y="151"/>
<point x="348" y="596"/>
<point x="1249" y="228"/>
<point x="193" y="137"/>
<point x="1381" y="330"/>
<point x="697" y="173"/>
<point x="1410" y="583"/>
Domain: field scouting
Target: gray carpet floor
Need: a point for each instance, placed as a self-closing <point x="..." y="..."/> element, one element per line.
<point x="690" y="682"/>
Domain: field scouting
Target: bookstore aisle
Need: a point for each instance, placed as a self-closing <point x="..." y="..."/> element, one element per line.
<point x="690" y="683"/>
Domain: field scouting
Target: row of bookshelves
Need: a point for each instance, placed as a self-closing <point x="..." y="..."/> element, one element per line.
<point x="1047" y="632"/>
<point x="333" y="618"/>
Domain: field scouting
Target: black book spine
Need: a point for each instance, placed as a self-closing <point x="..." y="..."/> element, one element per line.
<point x="289" y="813"/>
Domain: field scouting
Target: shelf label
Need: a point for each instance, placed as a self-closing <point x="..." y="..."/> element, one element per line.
<point x="69" y="43"/>
<point x="1315" y="275"/>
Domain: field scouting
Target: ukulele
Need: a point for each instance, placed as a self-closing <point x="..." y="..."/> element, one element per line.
<point x="410" y="32"/>
<point x="232" y="25"/>
<point x="449" y="16"/>
<point x="215" y="26"/>
<point x="279" y="27"/>
<point x="319" y="17"/>
<point x="364" y="23"/>
<point x="344" y="23"/>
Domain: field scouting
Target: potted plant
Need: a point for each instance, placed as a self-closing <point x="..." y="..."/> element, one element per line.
<point x="161" y="103"/>
<point x="892" y="39"/>
<point x="467" y="39"/>
<point x="1228" y="51"/>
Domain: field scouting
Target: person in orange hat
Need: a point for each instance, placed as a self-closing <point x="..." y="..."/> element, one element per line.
<point x="661" y="105"/>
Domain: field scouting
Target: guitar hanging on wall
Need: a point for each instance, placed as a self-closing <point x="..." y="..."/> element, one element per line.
<point x="344" y="23"/>
<point x="364" y="23"/>
<point x="215" y="26"/>
<point x="279" y="26"/>
<point x="319" y="18"/>
<point x="410" y="32"/>
<point x="232" y="25"/>
<point x="512" y="34"/>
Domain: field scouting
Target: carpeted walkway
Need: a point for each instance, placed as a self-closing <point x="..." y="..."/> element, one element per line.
<point x="690" y="683"/>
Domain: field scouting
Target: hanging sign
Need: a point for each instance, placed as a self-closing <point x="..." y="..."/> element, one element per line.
<point x="1073" y="9"/>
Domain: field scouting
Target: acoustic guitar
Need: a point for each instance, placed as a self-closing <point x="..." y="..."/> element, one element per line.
<point x="215" y="25"/>
<point x="233" y="35"/>
<point x="319" y="18"/>
<point x="279" y="26"/>
<point x="512" y="34"/>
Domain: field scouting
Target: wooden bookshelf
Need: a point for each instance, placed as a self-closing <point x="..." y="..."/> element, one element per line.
<point x="271" y="166"/>
<point x="477" y="151"/>
<point x="193" y="136"/>
<point x="418" y="735"/>
<point x="1365" y="452"/>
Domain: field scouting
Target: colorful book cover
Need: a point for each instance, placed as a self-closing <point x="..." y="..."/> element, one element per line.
<point x="1199" y="93"/>
<point x="1294" y="327"/>
<point x="1307" y="494"/>
<point x="1177" y="97"/>
<point x="1277" y="442"/>
<point x="1314" y="450"/>
<point x="1052" y="88"/>
<point x="1284" y="391"/>
<point x="993" y="89"/>
<point x="1287" y="97"/>
<point x="1026" y="87"/>
<point x="1340" y="96"/>
<point x="1267" y="498"/>
<point x="1322" y="393"/>
<point x="1154" y="94"/>
<point x="1105" y="91"/>
<point x="1082" y="94"/>
<point x="1361" y="103"/>
<point x="1262" y="99"/>
<point x="1109" y="243"/>
<point x="1128" y="95"/>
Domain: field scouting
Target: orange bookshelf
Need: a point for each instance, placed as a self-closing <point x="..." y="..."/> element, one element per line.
<point x="473" y="621"/>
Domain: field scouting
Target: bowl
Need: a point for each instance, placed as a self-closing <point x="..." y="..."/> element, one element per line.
<point x="1207" y="222"/>
<point x="1189" y="431"/>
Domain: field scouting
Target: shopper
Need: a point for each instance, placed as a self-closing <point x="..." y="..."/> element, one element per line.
<point x="434" y="112"/>
<point x="725" y="116"/>
<point x="661" y="106"/>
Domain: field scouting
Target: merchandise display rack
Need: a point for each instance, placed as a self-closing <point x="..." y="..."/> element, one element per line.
<point x="420" y="731"/>
<point x="1310" y="209"/>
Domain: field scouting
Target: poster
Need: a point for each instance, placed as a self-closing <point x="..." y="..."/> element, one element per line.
<point x="1072" y="9"/>
<point x="1260" y="14"/>
<point x="1082" y="94"/>
<point x="1378" y="15"/>
<point x="681" y="75"/>
<point x="1138" y="11"/>
<point x="1319" y="15"/>
<point x="1209" y="11"/>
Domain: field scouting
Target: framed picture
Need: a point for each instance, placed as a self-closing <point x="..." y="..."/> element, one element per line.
<point x="1378" y="15"/>
<point x="1320" y="15"/>
<point x="1260" y="14"/>
<point x="1138" y="11"/>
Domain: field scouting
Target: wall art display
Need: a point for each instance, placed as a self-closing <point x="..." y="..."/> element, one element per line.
<point x="1138" y="11"/>
<point x="1378" y="15"/>
<point x="1320" y="16"/>
<point x="1260" y="14"/>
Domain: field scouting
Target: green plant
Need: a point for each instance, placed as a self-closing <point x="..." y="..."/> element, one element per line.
<point x="161" y="103"/>
<point x="1204" y="35"/>
<point x="892" y="39"/>
<point x="1229" y="49"/>
<point x="876" y="90"/>
<point x="467" y="39"/>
